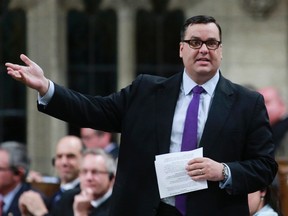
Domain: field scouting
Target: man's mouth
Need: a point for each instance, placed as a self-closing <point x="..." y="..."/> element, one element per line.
<point x="203" y="59"/>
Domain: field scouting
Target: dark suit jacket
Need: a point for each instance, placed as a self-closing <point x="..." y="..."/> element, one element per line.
<point x="280" y="130"/>
<point x="114" y="151"/>
<point x="237" y="132"/>
<point x="56" y="197"/>
<point x="65" y="205"/>
<point x="14" y="208"/>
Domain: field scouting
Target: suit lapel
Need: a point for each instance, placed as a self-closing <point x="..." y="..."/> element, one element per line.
<point x="14" y="209"/>
<point x="166" y="99"/>
<point x="220" y="110"/>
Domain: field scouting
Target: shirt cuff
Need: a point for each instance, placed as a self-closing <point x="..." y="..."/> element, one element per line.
<point x="228" y="183"/>
<point x="47" y="97"/>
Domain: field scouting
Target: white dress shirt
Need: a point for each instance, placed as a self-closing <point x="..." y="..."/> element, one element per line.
<point x="185" y="96"/>
<point x="8" y="198"/>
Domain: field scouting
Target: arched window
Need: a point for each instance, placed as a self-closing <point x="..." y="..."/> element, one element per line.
<point x="158" y="37"/>
<point x="92" y="51"/>
<point x="12" y="94"/>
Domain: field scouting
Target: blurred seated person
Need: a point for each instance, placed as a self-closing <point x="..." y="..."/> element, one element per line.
<point x="264" y="203"/>
<point x="92" y="198"/>
<point x="67" y="165"/>
<point x="100" y="139"/>
<point x="14" y="164"/>
<point x="278" y="117"/>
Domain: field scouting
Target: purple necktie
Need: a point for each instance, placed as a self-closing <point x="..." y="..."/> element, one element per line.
<point x="189" y="140"/>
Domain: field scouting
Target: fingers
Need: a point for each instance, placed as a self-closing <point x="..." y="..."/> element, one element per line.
<point x="205" y="169"/>
<point x="82" y="202"/>
<point x="14" y="70"/>
<point x="197" y="160"/>
<point x="196" y="164"/>
<point x="87" y="193"/>
<point x="16" y="74"/>
<point x="196" y="172"/>
<point x="13" y="67"/>
<point x="26" y="60"/>
<point x="201" y="172"/>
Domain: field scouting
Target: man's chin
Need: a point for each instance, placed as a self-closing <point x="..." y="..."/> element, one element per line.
<point x="68" y="178"/>
<point x="204" y="72"/>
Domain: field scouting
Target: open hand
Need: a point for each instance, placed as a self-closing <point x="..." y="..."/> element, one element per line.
<point x="31" y="75"/>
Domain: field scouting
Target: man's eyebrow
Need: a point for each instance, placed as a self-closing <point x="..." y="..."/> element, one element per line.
<point x="198" y="38"/>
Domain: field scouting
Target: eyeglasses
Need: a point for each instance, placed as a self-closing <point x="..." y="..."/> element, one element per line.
<point x="94" y="172"/>
<point x="197" y="44"/>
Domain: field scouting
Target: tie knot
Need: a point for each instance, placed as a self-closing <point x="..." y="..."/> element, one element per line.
<point x="198" y="90"/>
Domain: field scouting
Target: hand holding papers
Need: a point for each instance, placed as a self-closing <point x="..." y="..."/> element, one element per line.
<point x="172" y="176"/>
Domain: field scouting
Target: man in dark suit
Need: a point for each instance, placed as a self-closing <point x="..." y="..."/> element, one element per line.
<point x="233" y="129"/>
<point x="14" y="165"/>
<point x="67" y="165"/>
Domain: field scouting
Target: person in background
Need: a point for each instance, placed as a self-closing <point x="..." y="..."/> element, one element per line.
<point x="232" y="128"/>
<point x="14" y="166"/>
<point x="264" y="203"/>
<point x="92" y="198"/>
<point x="278" y="116"/>
<point x="67" y="165"/>
<point x="100" y="139"/>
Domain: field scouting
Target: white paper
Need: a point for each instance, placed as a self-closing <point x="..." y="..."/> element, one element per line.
<point x="172" y="176"/>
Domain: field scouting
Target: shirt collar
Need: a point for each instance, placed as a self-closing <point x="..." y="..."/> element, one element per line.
<point x="209" y="86"/>
<point x="70" y="185"/>
<point x="8" y="198"/>
<point x="109" y="147"/>
<point x="98" y="202"/>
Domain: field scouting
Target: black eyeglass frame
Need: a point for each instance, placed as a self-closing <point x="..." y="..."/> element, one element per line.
<point x="201" y="44"/>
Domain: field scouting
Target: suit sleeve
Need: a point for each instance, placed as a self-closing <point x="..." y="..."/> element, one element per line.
<point x="258" y="167"/>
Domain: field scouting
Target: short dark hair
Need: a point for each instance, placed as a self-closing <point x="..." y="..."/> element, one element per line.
<point x="200" y="19"/>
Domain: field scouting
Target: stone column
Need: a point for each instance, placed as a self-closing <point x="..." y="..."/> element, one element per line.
<point x="126" y="53"/>
<point x="46" y="45"/>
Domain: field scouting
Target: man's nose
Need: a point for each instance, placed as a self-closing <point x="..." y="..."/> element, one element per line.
<point x="203" y="48"/>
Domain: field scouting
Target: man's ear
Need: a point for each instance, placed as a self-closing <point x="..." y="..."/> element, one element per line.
<point x="111" y="176"/>
<point x="53" y="161"/>
<point x="180" y="49"/>
<point x="19" y="172"/>
<point x="15" y="170"/>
